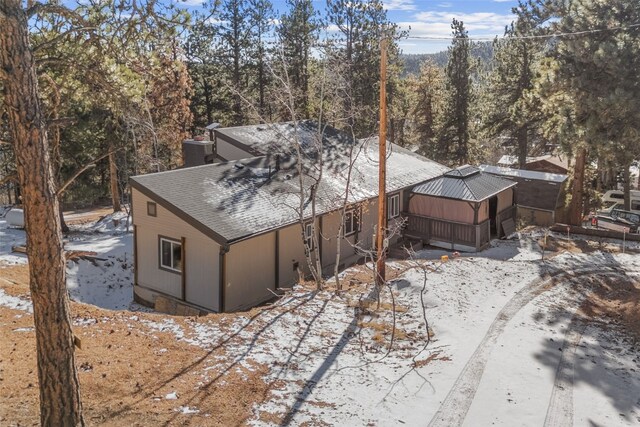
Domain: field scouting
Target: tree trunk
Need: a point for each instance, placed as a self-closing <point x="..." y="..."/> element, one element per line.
<point x="523" y="147"/>
<point x="626" y="177"/>
<point x="577" y="194"/>
<point x="113" y="179"/>
<point x="59" y="389"/>
<point x="63" y="225"/>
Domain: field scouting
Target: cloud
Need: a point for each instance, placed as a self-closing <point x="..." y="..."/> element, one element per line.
<point x="191" y="3"/>
<point x="399" y="4"/>
<point x="445" y="5"/>
<point x="438" y="24"/>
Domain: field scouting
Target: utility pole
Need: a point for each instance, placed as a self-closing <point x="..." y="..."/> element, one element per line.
<point x="382" y="166"/>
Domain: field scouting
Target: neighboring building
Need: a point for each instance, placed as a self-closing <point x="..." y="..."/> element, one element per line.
<point x="547" y="163"/>
<point x="540" y="196"/>
<point x="461" y="209"/>
<point x="225" y="236"/>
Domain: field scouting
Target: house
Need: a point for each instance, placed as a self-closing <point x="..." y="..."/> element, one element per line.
<point x="548" y="163"/>
<point x="461" y="210"/>
<point x="226" y="234"/>
<point x="540" y="195"/>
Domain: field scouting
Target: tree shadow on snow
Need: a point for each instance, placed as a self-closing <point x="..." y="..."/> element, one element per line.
<point x="603" y="278"/>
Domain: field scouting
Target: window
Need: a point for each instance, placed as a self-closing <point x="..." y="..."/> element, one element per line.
<point x="151" y="209"/>
<point x="351" y="222"/>
<point x="308" y="235"/>
<point x="393" y="206"/>
<point x="170" y="255"/>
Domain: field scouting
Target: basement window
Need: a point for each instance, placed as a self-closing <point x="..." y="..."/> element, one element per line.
<point x="393" y="206"/>
<point x="152" y="209"/>
<point x="351" y="222"/>
<point x="170" y="255"/>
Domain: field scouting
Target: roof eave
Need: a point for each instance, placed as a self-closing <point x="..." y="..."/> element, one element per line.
<point x="178" y="212"/>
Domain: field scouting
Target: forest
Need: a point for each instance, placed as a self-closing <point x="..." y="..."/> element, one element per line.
<point x="96" y="91"/>
<point x="123" y="83"/>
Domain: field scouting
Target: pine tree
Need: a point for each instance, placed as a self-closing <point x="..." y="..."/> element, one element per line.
<point x="261" y="21"/>
<point x="360" y="26"/>
<point x="428" y="95"/>
<point x="453" y="141"/>
<point x="59" y="387"/>
<point x="235" y="38"/>
<point x="589" y="83"/>
<point x="298" y="32"/>
<point x="506" y="107"/>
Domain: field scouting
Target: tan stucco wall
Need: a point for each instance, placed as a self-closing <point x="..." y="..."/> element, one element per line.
<point x="229" y="151"/>
<point x="250" y="270"/>
<point x="483" y="211"/>
<point x="291" y="252"/>
<point x="250" y="265"/>
<point x="446" y="209"/>
<point x="201" y="253"/>
<point x="364" y="238"/>
<point x="505" y="199"/>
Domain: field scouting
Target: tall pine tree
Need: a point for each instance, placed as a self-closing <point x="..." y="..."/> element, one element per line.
<point x="453" y="141"/>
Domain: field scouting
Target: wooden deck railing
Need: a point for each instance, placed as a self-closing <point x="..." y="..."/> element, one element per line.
<point x="456" y="233"/>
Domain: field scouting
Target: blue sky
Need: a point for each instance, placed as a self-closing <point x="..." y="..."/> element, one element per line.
<point x="432" y="18"/>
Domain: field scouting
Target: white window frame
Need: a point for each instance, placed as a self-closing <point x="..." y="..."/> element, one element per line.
<point x="172" y="244"/>
<point x="391" y="212"/>
<point x="308" y="235"/>
<point x="351" y="228"/>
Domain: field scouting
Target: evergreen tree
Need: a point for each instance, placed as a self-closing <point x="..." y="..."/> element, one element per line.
<point x="261" y="21"/>
<point x="426" y="116"/>
<point x="298" y="32"/>
<point x="361" y="24"/>
<point x="235" y="42"/>
<point x="453" y="141"/>
<point x="506" y="107"/>
<point x="211" y="100"/>
<point x="589" y="85"/>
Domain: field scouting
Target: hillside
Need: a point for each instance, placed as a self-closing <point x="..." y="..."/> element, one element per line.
<point x="483" y="51"/>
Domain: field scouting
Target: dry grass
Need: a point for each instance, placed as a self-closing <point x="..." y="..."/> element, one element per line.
<point x="123" y="374"/>
<point x="432" y="357"/>
<point x="617" y="300"/>
<point x="556" y="245"/>
<point x="368" y="306"/>
<point x="383" y="329"/>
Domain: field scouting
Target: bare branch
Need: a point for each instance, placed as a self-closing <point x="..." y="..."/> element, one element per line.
<point x="80" y="171"/>
<point x="60" y="37"/>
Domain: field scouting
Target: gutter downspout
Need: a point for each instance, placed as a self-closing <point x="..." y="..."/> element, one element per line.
<point x="224" y="249"/>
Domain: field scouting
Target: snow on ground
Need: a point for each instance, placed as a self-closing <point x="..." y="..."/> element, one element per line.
<point x="10" y="237"/>
<point x="15" y="303"/>
<point x="505" y="348"/>
<point x="107" y="282"/>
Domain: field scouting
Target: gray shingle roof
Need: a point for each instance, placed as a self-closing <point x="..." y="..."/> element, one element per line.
<point x="241" y="198"/>
<point x="464" y="183"/>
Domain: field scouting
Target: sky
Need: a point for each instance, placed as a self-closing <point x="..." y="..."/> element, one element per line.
<point x="430" y="18"/>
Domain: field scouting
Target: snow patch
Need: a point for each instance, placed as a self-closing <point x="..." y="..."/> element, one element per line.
<point x="15" y="303"/>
